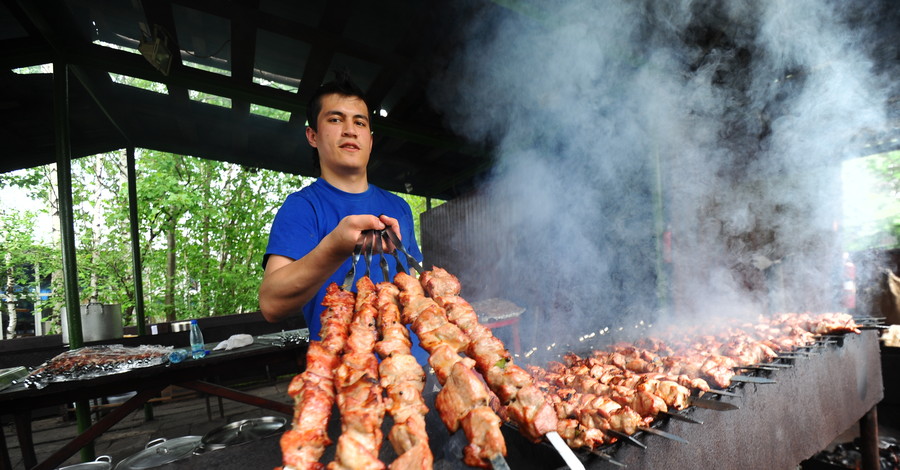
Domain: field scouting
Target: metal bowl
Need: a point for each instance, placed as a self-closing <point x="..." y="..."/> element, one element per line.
<point x="242" y="431"/>
<point x="104" y="462"/>
<point x="161" y="451"/>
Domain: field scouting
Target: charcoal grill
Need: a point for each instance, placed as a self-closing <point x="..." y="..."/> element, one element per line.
<point x="777" y="426"/>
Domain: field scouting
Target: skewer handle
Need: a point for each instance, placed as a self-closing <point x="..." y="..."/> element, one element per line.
<point x="679" y="417"/>
<point x="409" y="258"/>
<point x="667" y="435"/>
<point x="628" y="439"/>
<point x="564" y="451"/>
<point x="499" y="463"/>
<point x="607" y="458"/>
<point x="348" y="281"/>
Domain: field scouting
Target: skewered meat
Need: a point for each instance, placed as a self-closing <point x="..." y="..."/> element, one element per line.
<point x="482" y="427"/>
<point x="525" y="404"/>
<point x="464" y="400"/>
<point x="359" y="392"/>
<point x="462" y="392"/>
<point x="403" y="379"/>
<point x="584" y="399"/>
<point x="313" y="389"/>
<point x="625" y="386"/>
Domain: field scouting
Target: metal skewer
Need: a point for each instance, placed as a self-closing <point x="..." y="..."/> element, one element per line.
<point x="679" y="417"/>
<point x="708" y="404"/>
<point x="369" y="249"/>
<point x="400" y="266"/>
<point x="348" y="280"/>
<point x="756" y="367"/>
<point x="793" y="355"/>
<point x="607" y="458"/>
<point x="750" y="379"/>
<point x="379" y="250"/>
<point x="723" y="393"/>
<point x="409" y="258"/>
<point x="564" y="451"/>
<point x="498" y="462"/>
<point x="625" y="438"/>
<point x="664" y="434"/>
<point x="772" y="364"/>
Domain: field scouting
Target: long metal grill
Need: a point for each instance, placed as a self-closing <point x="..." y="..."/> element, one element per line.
<point x="777" y="426"/>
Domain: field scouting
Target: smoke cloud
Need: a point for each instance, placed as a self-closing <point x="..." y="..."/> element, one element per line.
<point x="618" y="125"/>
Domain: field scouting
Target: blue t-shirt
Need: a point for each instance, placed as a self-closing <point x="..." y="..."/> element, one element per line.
<point x="310" y="214"/>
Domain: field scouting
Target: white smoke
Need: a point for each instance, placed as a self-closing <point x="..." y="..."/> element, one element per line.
<point x="612" y="121"/>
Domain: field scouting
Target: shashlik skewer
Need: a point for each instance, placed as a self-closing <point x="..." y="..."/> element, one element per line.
<point x="680" y="417"/>
<point x="525" y="403"/>
<point x="313" y="389"/>
<point x="663" y="434"/>
<point x="522" y="401"/>
<point x="403" y="379"/>
<point x="359" y="391"/>
<point x="464" y="399"/>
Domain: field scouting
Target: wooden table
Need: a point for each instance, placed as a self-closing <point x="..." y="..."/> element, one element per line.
<point x="148" y="382"/>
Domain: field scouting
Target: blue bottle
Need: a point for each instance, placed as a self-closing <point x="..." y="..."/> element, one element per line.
<point x="178" y="355"/>
<point x="197" y="350"/>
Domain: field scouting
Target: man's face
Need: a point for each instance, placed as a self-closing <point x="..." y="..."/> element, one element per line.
<point x="343" y="138"/>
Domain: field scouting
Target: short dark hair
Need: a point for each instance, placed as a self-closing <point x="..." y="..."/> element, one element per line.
<point x="341" y="85"/>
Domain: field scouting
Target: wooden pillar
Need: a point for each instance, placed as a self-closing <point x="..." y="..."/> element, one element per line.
<point x="67" y="230"/>
<point x="135" y="244"/>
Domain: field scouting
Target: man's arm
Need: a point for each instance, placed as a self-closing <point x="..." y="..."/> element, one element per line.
<point x="289" y="284"/>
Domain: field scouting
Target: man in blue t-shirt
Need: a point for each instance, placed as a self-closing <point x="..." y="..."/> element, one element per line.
<point x="316" y="229"/>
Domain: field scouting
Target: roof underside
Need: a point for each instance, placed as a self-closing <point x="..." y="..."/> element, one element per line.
<point x="392" y="49"/>
<point x="389" y="48"/>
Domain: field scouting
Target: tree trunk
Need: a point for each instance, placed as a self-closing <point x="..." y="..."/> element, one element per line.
<point x="170" y="273"/>
<point x="205" y="286"/>
<point x="11" y="297"/>
<point x="56" y="277"/>
<point x="97" y="223"/>
<point x="38" y="303"/>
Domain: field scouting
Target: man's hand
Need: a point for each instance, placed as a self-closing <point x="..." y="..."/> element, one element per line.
<point x="345" y="236"/>
<point x="289" y="284"/>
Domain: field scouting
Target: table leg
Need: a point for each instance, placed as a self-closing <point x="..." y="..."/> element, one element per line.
<point x="5" y="462"/>
<point x="23" y="429"/>
<point x="868" y="433"/>
<point x="97" y="429"/>
<point x="209" y="408"/>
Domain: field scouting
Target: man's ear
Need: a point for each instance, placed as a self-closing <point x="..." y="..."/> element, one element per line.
<point x="311" y="137"/>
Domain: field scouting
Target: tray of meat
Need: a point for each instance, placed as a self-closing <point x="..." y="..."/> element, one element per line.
<point x="95" y="361"/>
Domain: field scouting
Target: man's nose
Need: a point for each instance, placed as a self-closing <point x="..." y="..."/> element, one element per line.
<point x="349" y="129"/>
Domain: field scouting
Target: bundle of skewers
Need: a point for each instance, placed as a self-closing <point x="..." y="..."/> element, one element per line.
<point x="480" y="383"/>
<point x="586" y="402"/>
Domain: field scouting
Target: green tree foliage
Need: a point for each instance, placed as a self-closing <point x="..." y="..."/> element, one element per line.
<point x="872" y="202"/>
<point x="21" y="255"/>
<point x="203" y="228"/>
<point x="887" y="168"/>
<point x="216" y="214"/>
